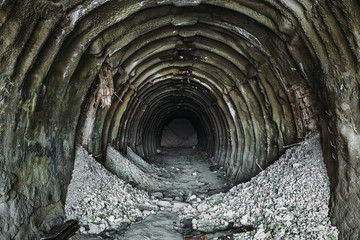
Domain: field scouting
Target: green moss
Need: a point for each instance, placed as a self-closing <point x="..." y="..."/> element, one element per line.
<point x="217" y="202"/>
<point x="331" y="237"/>
<point x="97" y="130"/>
<point x="33" y="175"/>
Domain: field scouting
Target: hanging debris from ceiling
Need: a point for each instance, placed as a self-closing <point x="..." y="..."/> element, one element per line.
<point x="106" y="88"/>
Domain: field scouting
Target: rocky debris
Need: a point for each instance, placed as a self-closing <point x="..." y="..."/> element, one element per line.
<point x="157" y="195"/>
<point x="99" y="199"/>
<point x="288" y="200"/>
<point x="148" y="207"/>
<point x="92" y="200"/>
<point x="164" y="204"/>
<point x="177" y="206"/>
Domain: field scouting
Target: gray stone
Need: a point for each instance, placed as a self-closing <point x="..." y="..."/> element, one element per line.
<point x="20" y="209"/>
<point x="179" y="205"/>
<point x="6" y="182"/>
<point x="164" y="204"/>
<point x="148" y="207"/>
<point x="157" y="194"/>
<point x="96" y="228"/>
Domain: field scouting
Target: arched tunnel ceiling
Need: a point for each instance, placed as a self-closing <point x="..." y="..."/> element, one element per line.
<point x="256" y="75"/>
<point x="161" y="45"/>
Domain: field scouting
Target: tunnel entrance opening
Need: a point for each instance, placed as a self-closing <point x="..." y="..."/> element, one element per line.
<point x="179" y="132"/>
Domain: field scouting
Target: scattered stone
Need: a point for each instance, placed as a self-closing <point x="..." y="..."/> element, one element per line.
<point x="111" y="218"/>
<point x="179" y="205"/>
<point x="288" y="200"/>
<point x="192" y="197"/>
<point x="148" y="207"/>
<point x="296" y="165"/>
<point x="96" y="197"/>
<point x="179" y="199"/>
<point x="96" y="228"/>
<point x="157" y="194"/>
<point x="277" y="202"/>
<point x="165" y="204"/>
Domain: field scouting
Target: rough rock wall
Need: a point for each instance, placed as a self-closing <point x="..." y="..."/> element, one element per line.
<point x="341" y="139"/>
<point x="36" y="145"/>
<point x="44" y="79"/>
<point x="340" y="121"/>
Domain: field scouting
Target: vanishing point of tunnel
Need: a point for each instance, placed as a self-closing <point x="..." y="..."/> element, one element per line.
<point x="247" y="78"/>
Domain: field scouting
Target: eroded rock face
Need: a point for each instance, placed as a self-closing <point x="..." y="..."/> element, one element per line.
<point x="253" y="77"/>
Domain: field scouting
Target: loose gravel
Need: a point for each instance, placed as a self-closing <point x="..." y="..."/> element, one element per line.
<point x="287" y="200"/>
<point x="99" y="199"/>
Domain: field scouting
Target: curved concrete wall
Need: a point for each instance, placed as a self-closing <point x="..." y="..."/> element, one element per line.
<point x="257" y="75"/>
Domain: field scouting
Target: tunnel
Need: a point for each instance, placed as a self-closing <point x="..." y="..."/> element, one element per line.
<point x="243" y="79"/>
<point x="188" y="62"/>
